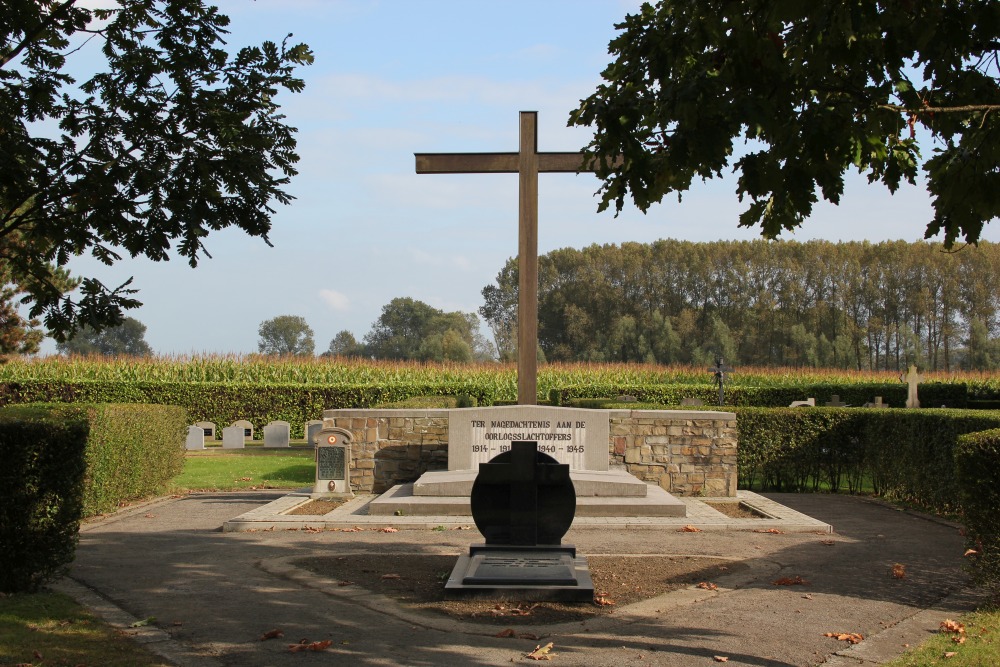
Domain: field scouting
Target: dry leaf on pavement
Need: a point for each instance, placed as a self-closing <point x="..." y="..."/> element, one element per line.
<point x="388" y="529"/>
<point x="898" y="571"/>
<point x="504" y="634"/>
<point x="689" y="529"/>
<point x="391" y="576"/>
<point x="541" y="652"/>
<point x="602" y="600"/>
<point x="306" y="646"/>
<point x="708" y="586"/>
<point x="271" y="634"/>
<point x="852" y="637"/>
<point x="720" y="658"/>
<point x="790" y="581"/>
<point x="772" y="531"/>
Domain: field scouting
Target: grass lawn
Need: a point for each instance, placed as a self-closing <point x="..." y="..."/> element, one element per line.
<point x="977" y="645"/>
<point x="51" y="629"/>
<point x="217" y="470"/>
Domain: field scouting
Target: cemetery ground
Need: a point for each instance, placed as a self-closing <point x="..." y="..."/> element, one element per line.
<point x="203" y="597"/>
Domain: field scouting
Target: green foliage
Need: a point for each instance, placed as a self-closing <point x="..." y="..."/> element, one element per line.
<point x="286" y="334"/>
<point x="410" y="329"/>
<point x="41" y="494"/>
<point x="344" y="345"/>
<point x="977" y="459"/>
<point x="807" y="305"/>
<point x="811" y="90"/>
<point x="167" y="139"/>
<point x="246" y="469"/>
<point x="127" y="338"/>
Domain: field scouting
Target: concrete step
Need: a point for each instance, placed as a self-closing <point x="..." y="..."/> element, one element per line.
<point x="402" y="500"/>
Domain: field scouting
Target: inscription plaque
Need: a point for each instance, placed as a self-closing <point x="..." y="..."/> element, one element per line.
<point x="330" y="462"/>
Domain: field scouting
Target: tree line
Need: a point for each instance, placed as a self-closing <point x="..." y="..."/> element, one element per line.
<point x="845" y="305"/>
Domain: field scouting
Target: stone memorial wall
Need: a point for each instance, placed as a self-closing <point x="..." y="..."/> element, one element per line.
<point x="684" y="452"/>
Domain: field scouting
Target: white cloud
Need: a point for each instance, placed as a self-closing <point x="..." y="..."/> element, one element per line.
<point x="335" y="300"/>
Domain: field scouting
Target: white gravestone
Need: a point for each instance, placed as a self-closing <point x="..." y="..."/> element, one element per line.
<point x="312" y="429"/>
<point x="246" y="426"/>
<point x="277" y="434"/>
<point x="233" y="437"/>
<point x="195" y="438"/>
<point x="333" y="463"/>
<point x="575" y="436"/>
<point x="912" y="378"/>
<point x="208" y="428"/>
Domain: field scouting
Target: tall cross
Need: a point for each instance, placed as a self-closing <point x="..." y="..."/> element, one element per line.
<point x="527" y="163"/>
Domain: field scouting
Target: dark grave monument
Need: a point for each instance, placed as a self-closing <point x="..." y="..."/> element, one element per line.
<point x="720" y="370"/>
<point x="523" y="503"/>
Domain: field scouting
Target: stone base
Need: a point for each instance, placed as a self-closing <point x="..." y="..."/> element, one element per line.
<point x="606" y="483"/>
<point x="529" y="573"/>
<point x="400" y="500"/>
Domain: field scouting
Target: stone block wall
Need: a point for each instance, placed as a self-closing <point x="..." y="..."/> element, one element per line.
<point x="391" y="447"/>
<point x="684" y="452"/>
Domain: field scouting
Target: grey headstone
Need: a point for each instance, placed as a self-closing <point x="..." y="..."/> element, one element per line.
<point x="209" y="429"/>
<point x="233" y="437"/>
<point x="333" y="463"/>
<point x="246" y="426"/>
<point x="277" y="434"/>
<point x="312" y="429"/>
<point x="808" y="403"/>
<point x="195" y="438"/>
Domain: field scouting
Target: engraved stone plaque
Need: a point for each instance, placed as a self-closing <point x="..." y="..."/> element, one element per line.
<point x="330" y="461"/>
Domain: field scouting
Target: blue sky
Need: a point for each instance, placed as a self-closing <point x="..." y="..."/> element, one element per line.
<point x="397" y="77"/>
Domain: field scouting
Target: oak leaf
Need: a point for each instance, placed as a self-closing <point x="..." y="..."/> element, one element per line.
<point x="949" y="625"/>
<point x="852" y="637"/>
<point x="541" y="652"/>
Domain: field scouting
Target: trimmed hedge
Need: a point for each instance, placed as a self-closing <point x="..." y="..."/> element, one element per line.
<point x="132" y="450"/>
<point x="932" y="394"/>
<point x="225" y="403"/>
<point x="977" y="459"/>
<point x="41" y="494"/>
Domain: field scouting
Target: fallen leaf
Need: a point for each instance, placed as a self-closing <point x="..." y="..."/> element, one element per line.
<point x="311" y="529"/>
<point x="772" y="531"/>
<point x="462" y="528"/>
<point x="852" y="637"/>
<point x="391" y="576"/>
<point x="720" y="658"/>
<point x="808" y="596"/>
<point x="149" y="516"/>
<point x="504" y="634"/>
<point x="958" y="639"/>
<point x="950" y="654"/>
<point x="541" y="652"/>
<point x="708" y="586"/>
<point x="790" y="581"/>
<point x="344" y="583"/>
<point x="244" y="479"/>
<point x="689" y="529"/>
<point x="602" y="600"/>
<point x="949" y="625"/>
<point x="970" y="552"/>
<point x="898" y="571"/>
<point x="388" y="529"/>
<point x="271" y="634"/>
<point x="314" y="646"/>
<point x="827" y="543"/>
<point x="143" y="623"/>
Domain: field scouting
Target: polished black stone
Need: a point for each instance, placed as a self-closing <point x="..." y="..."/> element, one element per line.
<point x="524" y="568"/>
<point x="523" y="497"/>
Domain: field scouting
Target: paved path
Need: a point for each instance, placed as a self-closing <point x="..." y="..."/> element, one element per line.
<point x="213" y="593"/>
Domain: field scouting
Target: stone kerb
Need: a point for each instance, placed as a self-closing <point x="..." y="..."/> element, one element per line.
<point x="684" y="452"/>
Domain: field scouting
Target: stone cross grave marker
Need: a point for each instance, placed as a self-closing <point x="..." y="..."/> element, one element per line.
<point x="195" y="438"/>
<point x="911" y="378"/>
<point x="527" y="163"/>
<point x="720" y="369"/>
<point x="333" y="463"/>
<point x="523" y="502"/>
<point x="835" y="402"/>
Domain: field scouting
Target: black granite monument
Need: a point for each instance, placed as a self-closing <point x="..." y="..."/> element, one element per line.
<point x="523" y="503"/>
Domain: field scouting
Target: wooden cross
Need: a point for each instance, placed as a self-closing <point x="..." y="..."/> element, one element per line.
<point x="527" y="163"/>
<point x="911" y="378"/>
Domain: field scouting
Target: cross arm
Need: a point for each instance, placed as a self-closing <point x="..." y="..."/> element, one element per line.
<point x="496" y="163"/>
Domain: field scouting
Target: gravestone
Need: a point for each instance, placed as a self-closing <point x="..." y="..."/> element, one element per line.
<point x="195" y="438"/>
<point x="246" y="426"/>
<point x="835" y="402"/>
<point x="692" y="402"/>
<point x="277" y="434"/>
<point x="912" y="379"/>
<point x="808" y="403"/>
<point x="333" y="464"/>
<point x="720" y="370"/>
<point x="233" y="437"/>
<point x="877" y="403"/>
<point x="523" y="503"/>
<point x="311" y="430"/>
<point x="208" y="428"/>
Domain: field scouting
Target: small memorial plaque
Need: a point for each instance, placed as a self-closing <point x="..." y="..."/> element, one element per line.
<point x="522" y="568"/>
<point x="330" y="461"/>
